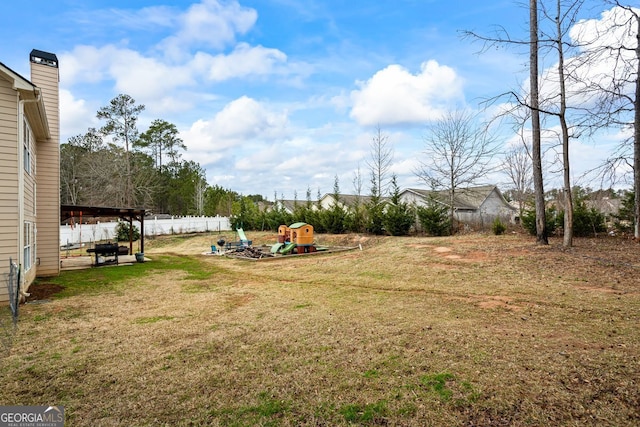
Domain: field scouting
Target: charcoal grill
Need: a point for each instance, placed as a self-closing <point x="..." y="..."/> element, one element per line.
<point x="103" y="251"/>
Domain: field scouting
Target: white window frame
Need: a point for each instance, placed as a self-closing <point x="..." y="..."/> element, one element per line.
<point x="27" y="261"/>
<point x="26" y="141"/>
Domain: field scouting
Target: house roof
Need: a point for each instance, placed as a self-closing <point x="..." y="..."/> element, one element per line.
<point x="606" y="206"/>
<point x="475" y="196"/>
<point x="19" y="82"/>
<point x="350" y="200"/>
<point x="34" y="105"/>
<point x="290" y="205"/>
<point x="464" y="198"/>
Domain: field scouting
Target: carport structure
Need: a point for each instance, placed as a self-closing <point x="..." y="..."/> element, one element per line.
<point x="125" y="214"/>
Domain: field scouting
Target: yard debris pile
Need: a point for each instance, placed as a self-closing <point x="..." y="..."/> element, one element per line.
<point x="250" y="252"/>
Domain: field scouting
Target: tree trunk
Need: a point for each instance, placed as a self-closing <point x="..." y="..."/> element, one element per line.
<point x="452" y="196"/>
<point x="541" y="226"/>
<point x="636" y="139"/>
<point x="567" y="241"/>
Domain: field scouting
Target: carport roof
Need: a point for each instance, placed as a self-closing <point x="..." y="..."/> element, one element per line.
<point x="67" y="211"/>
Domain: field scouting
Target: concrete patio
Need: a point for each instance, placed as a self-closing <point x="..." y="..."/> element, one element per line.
<point x="80" y="262"/>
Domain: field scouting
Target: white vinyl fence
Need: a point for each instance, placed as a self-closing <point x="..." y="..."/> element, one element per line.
<point x="86" y="233"/>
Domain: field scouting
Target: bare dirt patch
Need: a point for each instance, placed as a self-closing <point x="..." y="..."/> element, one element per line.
<point x="490" y="302"/>
<point x="417" y="246"/>
<point x="493" y="302"/>
<point x="599" y="289"/>
<point x="43" y="291"/>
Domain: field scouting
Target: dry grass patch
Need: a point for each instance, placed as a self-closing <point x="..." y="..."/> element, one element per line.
<point x="396" y="334"/>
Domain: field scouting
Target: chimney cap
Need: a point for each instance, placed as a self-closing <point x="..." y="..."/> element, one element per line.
<point x="45" y="58"/>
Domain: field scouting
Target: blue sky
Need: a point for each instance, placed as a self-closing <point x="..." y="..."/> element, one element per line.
<point x="277" y="96"/>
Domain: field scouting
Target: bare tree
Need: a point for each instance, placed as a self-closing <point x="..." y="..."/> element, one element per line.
<point x="502" y="37"/>
<point x="380" y="162"/>
<point x="108" y="177"/>
<point x="357" y="182"/>
<point x="73" y="155"/>
<point x="198" y="197"/>
<point x="458" y="153"/>
<point x="77" y="156"/>
<point x="357" y="211"/>
<point x="70" y="167"/>
<point x="536" y="151"/>
<point x="555" y="102"/>
<point x="611" y="58"/>
<point x="563" y="17"/>
<point x="518" y="168"/>
<point x="562" y="116"/>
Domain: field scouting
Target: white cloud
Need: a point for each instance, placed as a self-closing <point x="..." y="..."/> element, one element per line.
<point x="85" y="64"/>
<point x="92" y="21"/>
<point x="152" y="81"/>
<point x="613" y="28"/>
<point x="156" y="81"/>
<point x="74" y="114"/>
<point x="211" y="24"/>
<point x="162" y="16"/>
<point x="599" y="61"/>
<point x="147" y="78"/>
<point x="239" y="123"/>
<point x="396" y="96"/>
<point x="245" y="60"/>
<point x="309" y="159"/>
<point x="246" y="118"/>
<point x="260" y="159"/>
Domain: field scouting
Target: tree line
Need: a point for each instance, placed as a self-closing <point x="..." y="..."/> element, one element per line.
<point x="117" y="166"/>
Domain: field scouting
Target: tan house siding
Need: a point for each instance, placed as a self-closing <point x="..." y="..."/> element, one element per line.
<point x="48" y="177"/>
<point x="29" y="205"/>
<point x="29" y="171"/>
<point x="9" y="180"/>
<point x="29" y="179"/>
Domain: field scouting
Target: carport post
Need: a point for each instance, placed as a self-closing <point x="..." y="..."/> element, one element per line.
<point x="142" y="232"/>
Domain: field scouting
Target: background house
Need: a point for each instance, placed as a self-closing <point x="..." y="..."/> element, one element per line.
<point x="289" y="206"/>
<point x="346" y="200"/>
<point x="29" y="171"/>
<point x="476" y="206"/>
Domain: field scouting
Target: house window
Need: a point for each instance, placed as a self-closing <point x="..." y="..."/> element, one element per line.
<point x="27" y="147"/>
<point x="28" y="244"/>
